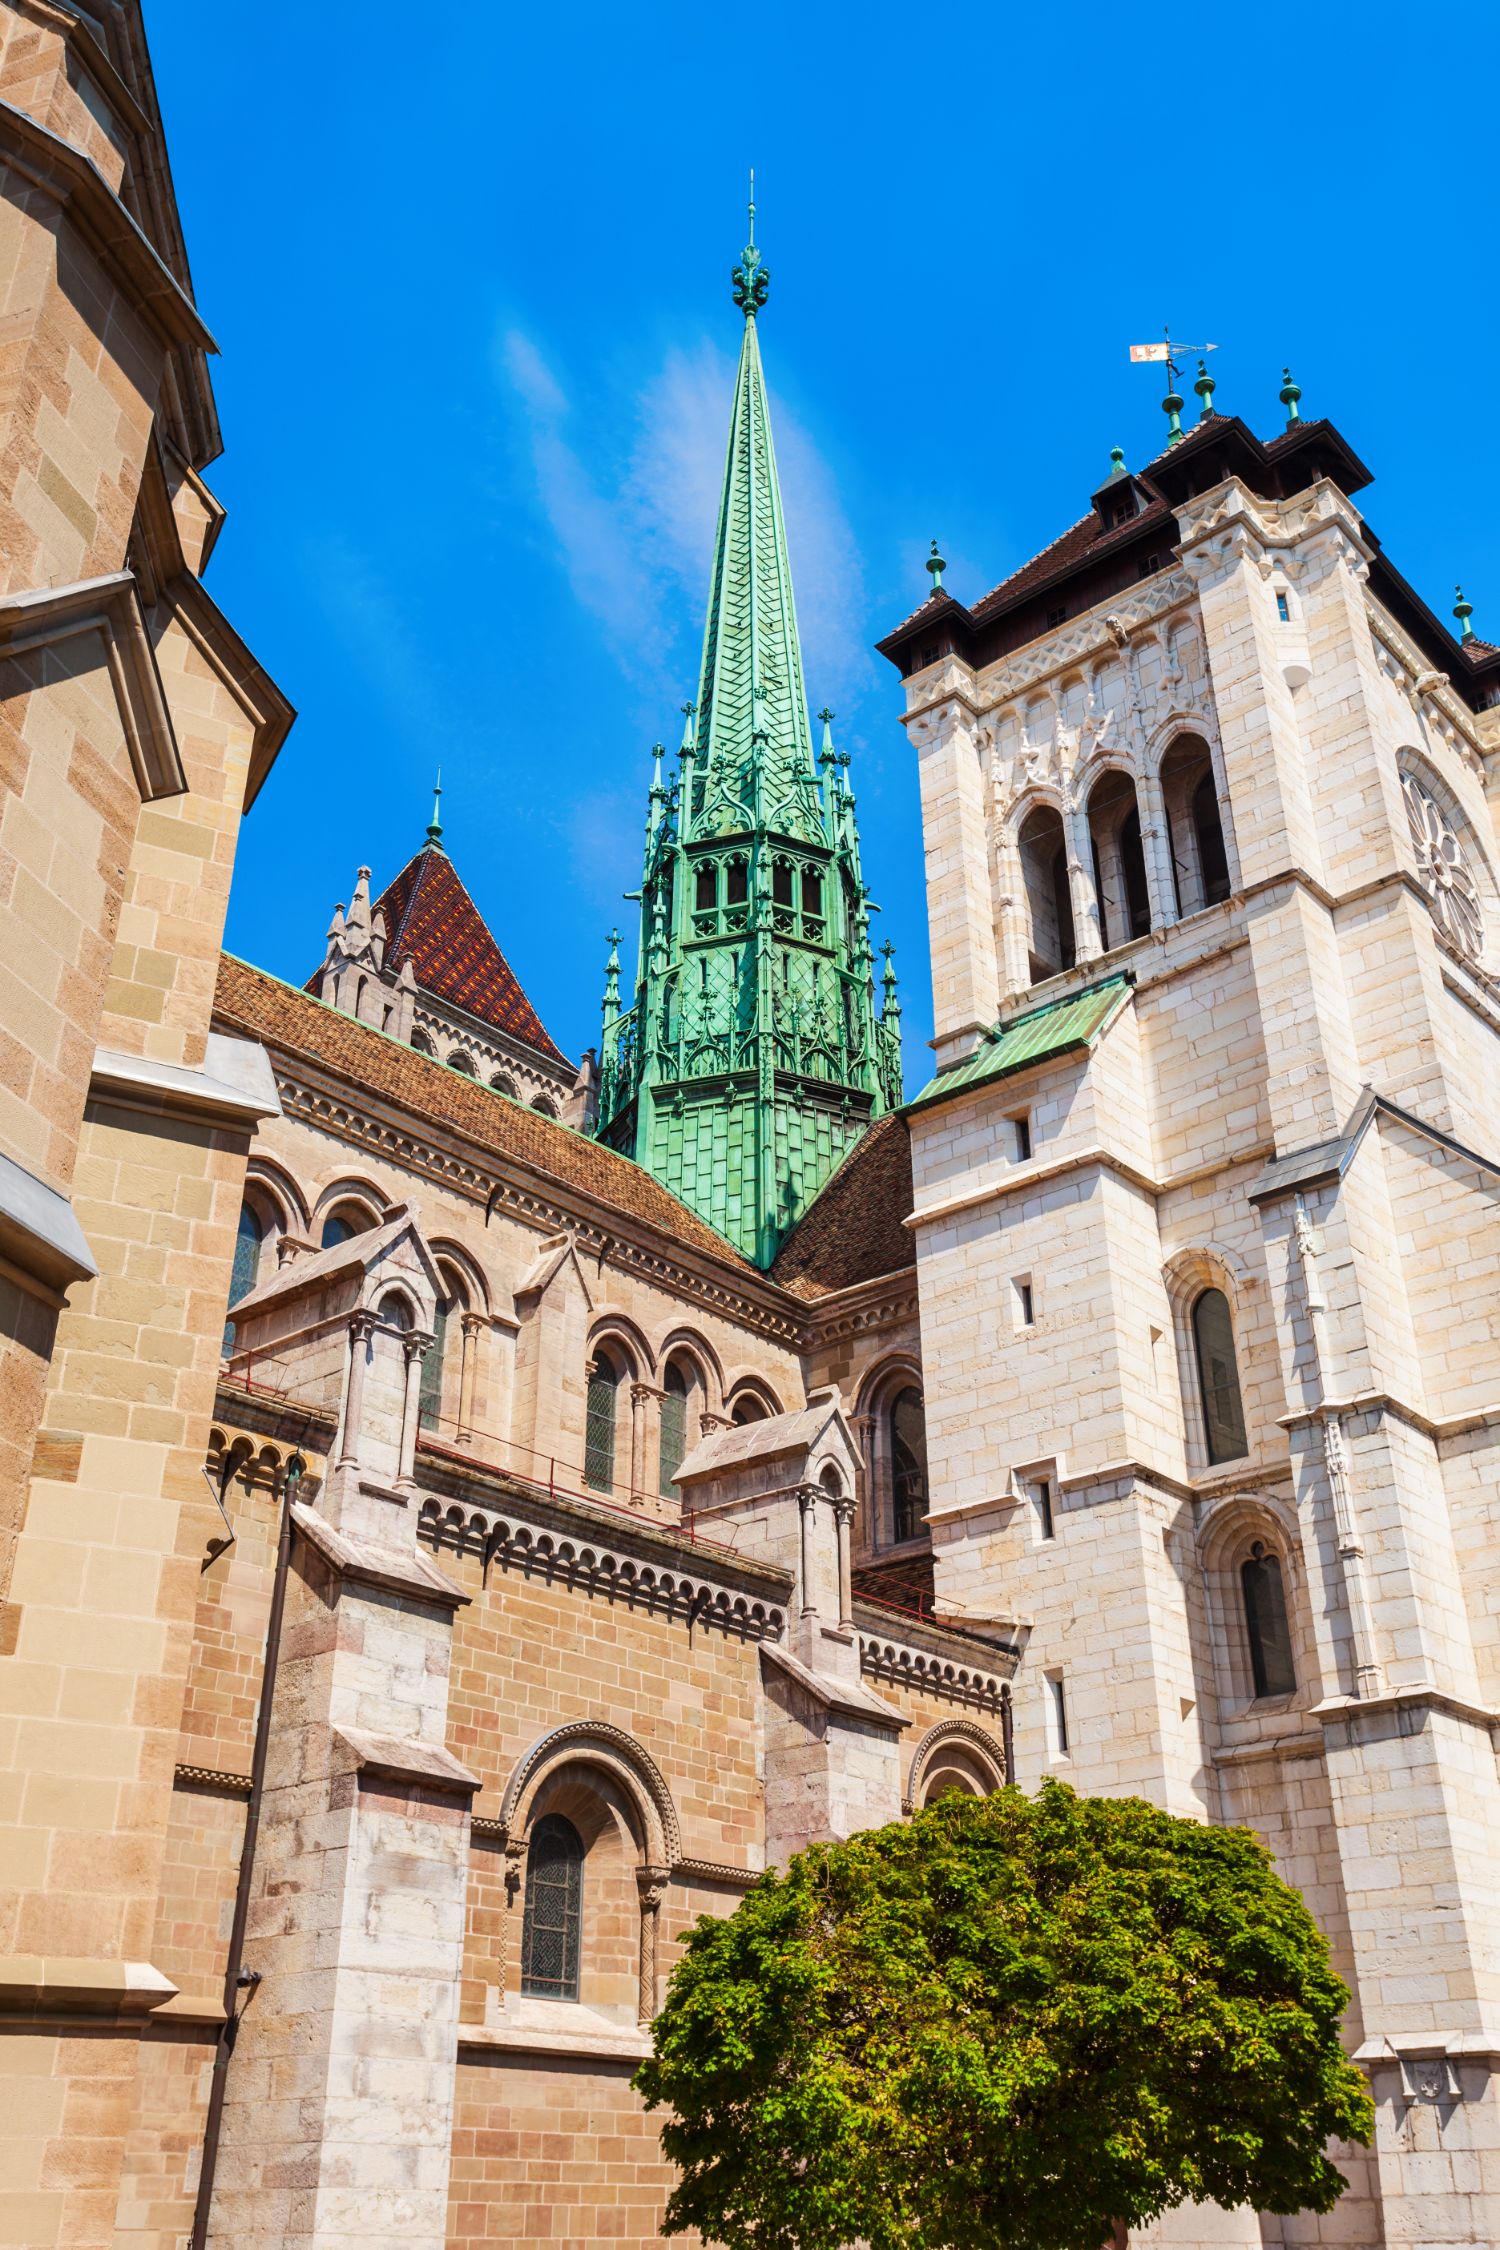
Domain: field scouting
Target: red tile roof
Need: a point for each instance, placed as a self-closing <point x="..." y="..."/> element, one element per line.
<point x="261" y="1007"/>
<point x="432" y="922"/>
<point x="853" y="1231"/>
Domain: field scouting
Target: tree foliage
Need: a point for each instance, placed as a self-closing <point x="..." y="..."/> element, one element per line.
<point x="1007" y="2021"/>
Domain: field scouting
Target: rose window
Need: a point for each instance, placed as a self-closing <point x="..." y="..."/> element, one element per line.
<point x="1451" y="889"/>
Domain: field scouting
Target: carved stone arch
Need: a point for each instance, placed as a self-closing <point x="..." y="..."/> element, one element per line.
<point x="628" y="1338"/>
<point x="891" y="1373"/>
<point x="384" y="1286"/>
<point x="616" y="1755"/>
<point x="1033" y="796"/>
<point x="695" y="1346"/>
<point x="755" y="1390"/>
<point x="1226" y="1535"/>
<point x="350" y="1187"/>
<point x="1180" y="720"/>
<point x="975" y="1753"/>
<point x="471" y="1273"/>
<point x="1208" y="1265"/>
<point x="1101" y="759"/>
<point x="275" y="1181"/>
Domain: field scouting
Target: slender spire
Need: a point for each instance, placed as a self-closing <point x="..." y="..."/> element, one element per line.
<point x="1290" y="393"/>
<point x="936" y="564"/>
<point x="1464" y="612"/>
<point x="750" y="279"/>
<point x="435" y="825"/>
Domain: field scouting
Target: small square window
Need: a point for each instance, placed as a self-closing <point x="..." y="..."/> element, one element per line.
<point x="1283" y="609"/>
<point x="1056" y="616"/>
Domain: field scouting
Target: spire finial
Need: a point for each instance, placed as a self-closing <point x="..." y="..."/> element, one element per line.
<point x="435" y="825"/>
<point x="1172" y="404"/>
<point x="1205" y="388"/>
<point x="1464" y="612"/>
<point x="937" y="565"/>
<point x="1290" y="393"/>
<point x="1116" y="462"/>
<point x="750" y="279"/>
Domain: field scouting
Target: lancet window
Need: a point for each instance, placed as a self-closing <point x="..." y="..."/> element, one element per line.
<point x="1218" y="1377"/>
<point x="1267" y="1626"/>
<point x="908" y="1465"/>
<point x="599" y="1424"/>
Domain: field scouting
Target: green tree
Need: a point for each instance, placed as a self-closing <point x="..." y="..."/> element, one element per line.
<point x="1008" y="2021"/>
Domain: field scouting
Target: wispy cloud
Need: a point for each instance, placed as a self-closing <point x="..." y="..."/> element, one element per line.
<point x="368" y="615"/>
<point x="630" y="495"/>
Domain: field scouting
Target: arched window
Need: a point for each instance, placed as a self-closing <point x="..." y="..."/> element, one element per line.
<point x="248" y="1237"/>
<point x="504" y="1085"/>
<point x="1119" y="860"/>
<point x="430" y="1391"/>
<point x="812" y="891"/>
<point x="599" y="1425"/>
<point x="554" y="1910"/>
<point x="908" y="1465"/>
<point x="462" y="1063"/>
<point x="736" y="882"/>
<point x="781" y="882"/>
<point x="1266" y="1625"/>
<point x="343" y="1222"/>
<point x="395" y="1312"/>
<point x="1043" y="852"/>
<point x="748" y="1407"/>
<point x="706" y="887"/>
<point x="544" y="1106"/>
<point x="421" y="1044"/>
<point x="1133" y="872"/>
<point x="1208" y="828"/>
<point x="674" y="1412"/>
<point x="1218" y="1377"/>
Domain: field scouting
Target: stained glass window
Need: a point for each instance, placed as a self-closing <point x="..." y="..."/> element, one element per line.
<point x="247" y="1241"/>
<point x="554" y="1910"/>
<point x="908" y="1465"/>
<point x="599" y="1427"/>
<point x="674" y="1408"/>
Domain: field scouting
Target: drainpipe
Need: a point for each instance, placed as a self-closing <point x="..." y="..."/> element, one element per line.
<point x="240" y="1982"/>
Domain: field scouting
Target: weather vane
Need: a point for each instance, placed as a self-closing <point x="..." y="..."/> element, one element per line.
<point x="1164" y="354"/>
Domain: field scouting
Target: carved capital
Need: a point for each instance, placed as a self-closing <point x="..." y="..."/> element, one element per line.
<point x="651" y="1884"/>
<point x="362" y="1326"/>
<point x="472" y="1323"/>
<point x="417" y="1345"/>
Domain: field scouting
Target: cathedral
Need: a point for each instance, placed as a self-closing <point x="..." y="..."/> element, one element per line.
<point x="466" y="1509"/>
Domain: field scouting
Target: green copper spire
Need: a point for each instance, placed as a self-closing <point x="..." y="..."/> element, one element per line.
<point x="1290" y="395"/>
<point x="936" y="565"/>
<point x="435" y="825"/>
<point x="1464" y="612"/>
<point x="752" y="1056"/>
<point x="1205" y="388"/>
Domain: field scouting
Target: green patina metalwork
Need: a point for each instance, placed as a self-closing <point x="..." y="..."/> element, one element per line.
<point x="752" y="1056"/>
<point x="1036" y="1037"/>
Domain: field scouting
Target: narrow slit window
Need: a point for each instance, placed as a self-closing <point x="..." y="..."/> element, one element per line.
<point x="1022" y="1126"/>
<point x="1283" y="609"/>
<point x="1042" y="1495"/>
<point x="1057" y="1697"/>
<point x="736" y="883"/>
<point x="781" y="882"/>
<point x="1025" y="1303"/>
<point x="812" y="891"/>
<point x="706" y="895"/>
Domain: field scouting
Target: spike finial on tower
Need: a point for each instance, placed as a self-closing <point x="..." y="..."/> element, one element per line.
<point x="1205" y="387"/>
<point x="1290" y="393"/>
<point x="751" y="277"/>
<point x="937" y="565"/>
<point x="435" y="825"/>
<point x="1464" y="612"/>
<point x="1116" y="463"/>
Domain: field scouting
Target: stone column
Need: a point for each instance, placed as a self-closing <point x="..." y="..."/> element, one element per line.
<point x="416" y="1347"/>
<point x="1015" y="950"/>
<point x="843" y="1516"/>
<point x="651" y="1882"/>
<point x="1156" y="845"/>
<point x="644" y="1427"/>
<point x="1088" y="926"/>
<point x="472" y="1324"/>
<point x="808" y="1501"/>
<point x="866" y="1428"/>
<point x="361" y="1329"/>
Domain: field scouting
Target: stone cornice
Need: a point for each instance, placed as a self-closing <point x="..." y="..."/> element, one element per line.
<point x="1067" y="646"/>
<point x="504" y="1184"/>
<point x="587" y="1550"/>
<point x="885" y="1302"/>
<point x="70" y="179"/>
<point x="110" y="609"/>
<point x="890" y="1656"/>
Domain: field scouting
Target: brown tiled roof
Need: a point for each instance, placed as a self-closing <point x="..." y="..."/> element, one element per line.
<point x="262" y="1007"/>
<point x="853" y="1232"/>
<point x="432" y="922"/>
<point x="1076" y="544"/>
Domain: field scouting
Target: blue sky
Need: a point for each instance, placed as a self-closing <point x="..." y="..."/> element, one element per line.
<point x="469" y="275"/>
